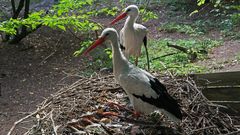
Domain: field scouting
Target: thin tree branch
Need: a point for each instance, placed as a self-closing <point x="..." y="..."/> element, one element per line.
<point x="13" y="6"/>
<point x="26" y="12"/>
<point x="17" y="12"/>
<point x="26" y="117"/>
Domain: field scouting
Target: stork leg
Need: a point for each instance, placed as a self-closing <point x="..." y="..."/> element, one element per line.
<point x="145" y="45"/>
<point x="136" y="61"/>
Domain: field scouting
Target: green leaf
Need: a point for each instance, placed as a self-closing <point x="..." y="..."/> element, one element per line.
<point x="61" y="27"/>
<point x="193" y="12"/>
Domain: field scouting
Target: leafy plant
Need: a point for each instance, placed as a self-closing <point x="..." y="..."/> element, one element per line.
<point x="181" y="28"/>
<point x="147" y="15"/>
<point x="166" y="58"/>
<point x="72" y="14"/>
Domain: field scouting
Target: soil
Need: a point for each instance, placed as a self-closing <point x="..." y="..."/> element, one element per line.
<point x="43" y="63"/>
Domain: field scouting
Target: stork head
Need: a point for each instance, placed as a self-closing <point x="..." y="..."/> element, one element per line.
<point x="108" y="34"/>
<point x="131" y="10"/>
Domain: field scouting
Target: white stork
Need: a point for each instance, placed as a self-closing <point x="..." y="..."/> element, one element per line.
<point x="145" y="92"/>
<point x="132" y="35"/>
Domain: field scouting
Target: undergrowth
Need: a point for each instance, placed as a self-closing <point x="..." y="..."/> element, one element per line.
<point x="165" y="58"/>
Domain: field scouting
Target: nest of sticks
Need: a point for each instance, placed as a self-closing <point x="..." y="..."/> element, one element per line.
<point x="87" y="107"/>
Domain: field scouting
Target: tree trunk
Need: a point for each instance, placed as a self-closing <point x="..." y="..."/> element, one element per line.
<point x="14" y="15"/>
<point x="17" y="12"/>
<point x="13" y="7"/>
<point x="24" y="31"/>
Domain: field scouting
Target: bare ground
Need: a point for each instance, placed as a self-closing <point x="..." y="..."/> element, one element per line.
<point x="40" y="66"/>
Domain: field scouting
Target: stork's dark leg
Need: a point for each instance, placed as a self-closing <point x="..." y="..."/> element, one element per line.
<point x="122" y="47"/>
<point x="136" y="61"/>
<point x="145" y="45"/>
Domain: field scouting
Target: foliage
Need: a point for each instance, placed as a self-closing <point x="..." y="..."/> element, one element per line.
<point x="84" y="45"/>
<point x="177" y="62"/>
<point x="181" y="28"/>
<point x="57" y="18"/>
<point x="75" y="14"/>
<point x="147" y="15"/>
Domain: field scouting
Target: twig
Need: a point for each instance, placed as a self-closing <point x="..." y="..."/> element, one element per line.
<point x="233" y="133"/>
<point x="106" y="129"/>
<point x="53" y="123"/>
<point x="26" y="117"/>
<point x="77" y="131"/>
<point x="169" y="54"/>
<point x="114" y="89"/>
<point x="139" y="122"/>
<point x="57" y="44"/>
<point x="74" y="34"/>
<point x="237" y="102"/>
<point x="44" y="60"/>
<point x="200" y="129"/>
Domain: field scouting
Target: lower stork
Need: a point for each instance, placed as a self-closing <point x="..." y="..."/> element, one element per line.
<point x="145" y="92"/>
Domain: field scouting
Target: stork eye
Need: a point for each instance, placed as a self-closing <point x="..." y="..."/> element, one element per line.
<point x="107" y="34"/>
<point x="128" y="10"/>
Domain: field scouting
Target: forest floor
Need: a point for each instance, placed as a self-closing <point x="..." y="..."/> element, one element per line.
<point x="43" y="63"/>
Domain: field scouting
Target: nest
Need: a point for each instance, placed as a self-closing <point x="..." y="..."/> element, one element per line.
<point x="89" y="106"/>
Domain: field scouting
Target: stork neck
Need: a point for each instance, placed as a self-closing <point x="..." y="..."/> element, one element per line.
<point x="120" y="63"/>
<point x="130" y="21"/>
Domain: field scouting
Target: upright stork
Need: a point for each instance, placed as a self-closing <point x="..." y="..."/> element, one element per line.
<point x="145" y="92"/>
<point x="132" y="35"/>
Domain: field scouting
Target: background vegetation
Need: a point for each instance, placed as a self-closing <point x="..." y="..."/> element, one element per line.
<point x="78" y="16"/>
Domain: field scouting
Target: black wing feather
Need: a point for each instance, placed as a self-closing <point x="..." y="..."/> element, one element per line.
<point x="164" y="100"/>
<point x="122" y="47"/>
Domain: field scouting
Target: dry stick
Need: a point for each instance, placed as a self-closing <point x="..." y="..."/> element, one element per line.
<point x="224" y="101"/>
<point x="69" y="75"/>
<point x="74" y="34"/>
<point x="53" y="123"/>
<point x="51" y="54"/>
<point x="57" y="44"/>
<point x="26" y="117"/>
<point x="169" y="54"/>
<point x="140" y="122"/>
<point x="233" y="133"/>
<point x="114" y="89"/>
<point x="167" y="70"/>
<point x="78" y="131"/>
<point x="200" y="129"/>
<point x="106" y="129"/>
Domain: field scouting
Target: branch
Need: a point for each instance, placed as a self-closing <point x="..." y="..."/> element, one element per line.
<point x="26" y="117"/>
<point x="26" y="12"/>
<point x="22" y="35"/>
<point x="183" y="49"/>
<point x="17" y="12"/>
<point x="13" y="6"/>
<point x="169" y="54"/>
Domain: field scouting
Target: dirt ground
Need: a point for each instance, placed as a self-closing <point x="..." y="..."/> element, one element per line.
<point x="44" y="63"/>
<point x="32" y="71"/>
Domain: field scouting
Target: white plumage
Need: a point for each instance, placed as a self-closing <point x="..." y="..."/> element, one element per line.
<point x="145" y="92"/>
<point x="132" y="35"/>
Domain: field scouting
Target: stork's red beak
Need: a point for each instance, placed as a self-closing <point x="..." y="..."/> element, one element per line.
<point x="121" y="16"/>
<point x="94" y="45"/>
